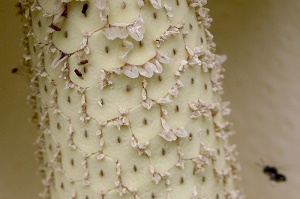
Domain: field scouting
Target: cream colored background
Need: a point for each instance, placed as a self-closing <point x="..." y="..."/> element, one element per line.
<point x="18" y="179"/>
<point x="262" y="41"/>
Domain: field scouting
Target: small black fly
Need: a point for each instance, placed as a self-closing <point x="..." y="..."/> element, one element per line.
<point x="273" y="174"/>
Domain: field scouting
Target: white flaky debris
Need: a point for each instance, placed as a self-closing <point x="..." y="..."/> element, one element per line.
<point x="83" y="43"/>
<point x="223" y="129"/>
<point x="131" y="71"/>
<point x="140" y="3"/>
<point x="197" y="3"/>
<point x="147" y="103"/>
<point x="156" y="3"/>
<point x="105" y="80"/>
<point x="165" y="100"/>
<point x="121" y="121"/>
<point x="230" y="153"/>
<point x="35" y="6"/>
<point x="141" y="147"/>
<point x="169" y="11"/>
<point x="144" y="94"/>
<point x="164" y="111"/>
<point x="104" y="11"/>
<point x="203" y="17"/>
<point x="27" y="57"/>
<point x="222" y="174"/>
<point x="216" y="77"/>
<point x="100" y="156"/>
<point x="59" y="59"/>
<point x="201" y="108"/>
<point x="181" y="161"/>
<point x="175" y="89"/>
<point x="135" y="30"/>
<point x="148" y="69"/>
<point x="157" y="177"/>
<point x="127" y="47"/>
<point x="123" y="111"/>
<point x="58" y="10"/>
<point x="117" y="71"/>
<point x="194" y="55"/>
<point x="114" y="32"/>
<point x="195" y="193"/>
<point x="234" y="194"/>
<point x="206" y="156"/>
<point x="171" y="134"/>
<point x="172" y="30"/>
<point x="162" y="57"/>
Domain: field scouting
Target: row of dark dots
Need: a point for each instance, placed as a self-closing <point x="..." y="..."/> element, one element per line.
<point x="152" y="194"/>
<point x="128" y="89"/>
<point x="146" y="122"/>
<point x="191" y="135"/>
<point x="101" y="173"/>
<point x="192" y="81"/>
<point x="58" y="126"/>
<point x="163" y="152"/>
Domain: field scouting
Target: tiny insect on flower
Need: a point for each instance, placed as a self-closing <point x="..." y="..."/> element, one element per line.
<point x="83" y="62"/>
<point x="78" y="73"/>
<point x="84" y="8"/>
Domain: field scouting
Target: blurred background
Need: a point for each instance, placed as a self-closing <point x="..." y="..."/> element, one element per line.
<point x="18" y="178"/>
<point x="262" y="41"/>
<point x="262" y="81"/>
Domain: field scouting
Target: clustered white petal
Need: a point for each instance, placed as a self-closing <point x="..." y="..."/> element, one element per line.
<point x="104" y="11"/>
<point x="172" y="30"/>
<point x="149" y="68"/>
<point x="202" y="108"/>
<point x="156" y="3"/>
<point x="135" y="30"/>
<point x="171" y="134"/>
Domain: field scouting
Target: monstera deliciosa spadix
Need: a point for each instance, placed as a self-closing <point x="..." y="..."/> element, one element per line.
<point x="126" y="96"/>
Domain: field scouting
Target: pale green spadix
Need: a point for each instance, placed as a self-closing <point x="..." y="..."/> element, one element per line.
<point x="126" y="96"/>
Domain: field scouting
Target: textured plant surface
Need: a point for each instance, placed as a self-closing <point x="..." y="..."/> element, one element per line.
<point x="127" y="100"/>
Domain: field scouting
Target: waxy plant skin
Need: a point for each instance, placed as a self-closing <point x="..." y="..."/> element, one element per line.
<point x="127" y="101"/>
